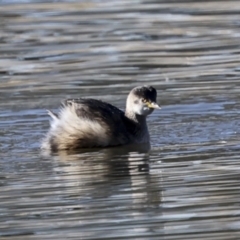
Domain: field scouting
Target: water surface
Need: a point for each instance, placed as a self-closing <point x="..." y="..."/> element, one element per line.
<point x="187" y="186"/>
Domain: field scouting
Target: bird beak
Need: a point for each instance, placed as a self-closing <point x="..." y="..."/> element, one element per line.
<point x="153" y="105"/>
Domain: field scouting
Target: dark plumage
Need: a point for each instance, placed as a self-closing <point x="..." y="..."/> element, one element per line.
<point x="84" y="123"/>
<point x="146" y="92"/>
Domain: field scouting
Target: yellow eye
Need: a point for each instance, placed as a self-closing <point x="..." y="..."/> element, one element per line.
<point x="144" y="100"/>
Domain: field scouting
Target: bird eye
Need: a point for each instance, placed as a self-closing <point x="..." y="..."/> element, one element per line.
<point x="144" y="100"/>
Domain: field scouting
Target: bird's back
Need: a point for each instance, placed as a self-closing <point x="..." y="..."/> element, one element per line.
<point x="87" y="123"/>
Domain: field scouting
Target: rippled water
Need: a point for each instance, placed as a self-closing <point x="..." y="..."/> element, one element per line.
<point x="187" y="186"/>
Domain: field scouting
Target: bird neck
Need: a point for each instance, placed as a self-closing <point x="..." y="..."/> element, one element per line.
<point x="138" y="119"/>
<point x="138" y="126"/>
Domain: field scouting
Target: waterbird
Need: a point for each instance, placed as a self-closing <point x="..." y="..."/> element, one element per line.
<point x="90" y="123"/>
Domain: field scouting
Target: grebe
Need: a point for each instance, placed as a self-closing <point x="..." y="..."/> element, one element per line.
<point x="89" y="123"/>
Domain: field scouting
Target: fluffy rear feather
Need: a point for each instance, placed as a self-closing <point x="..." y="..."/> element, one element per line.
<point x="85" y="123"/>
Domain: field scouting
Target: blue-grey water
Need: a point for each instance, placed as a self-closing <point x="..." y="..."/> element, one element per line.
<point x="187" y="186"/>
